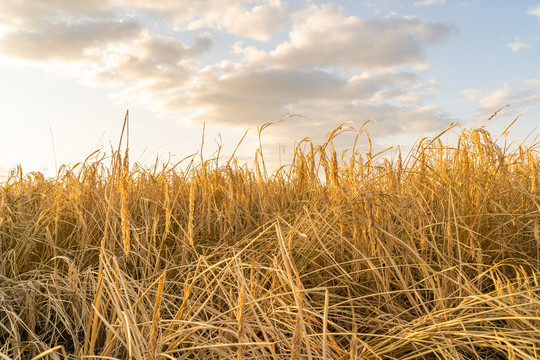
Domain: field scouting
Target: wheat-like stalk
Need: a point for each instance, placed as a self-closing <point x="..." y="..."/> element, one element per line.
<point x="433" y="254"/>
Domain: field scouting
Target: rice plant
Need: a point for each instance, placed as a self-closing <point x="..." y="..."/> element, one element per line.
<point x="433" y="255"/>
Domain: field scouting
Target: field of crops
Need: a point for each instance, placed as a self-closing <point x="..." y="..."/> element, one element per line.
<point x="434" y="254"/>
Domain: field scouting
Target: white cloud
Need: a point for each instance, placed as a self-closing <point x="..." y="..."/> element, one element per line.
<point x="97" y="45"/>
<point x="257" y="22"/>
<point x="66" y="30"/>
<point x="150" y="66"/>
<point x="254" y="19"/>
<point x="62" y="30"/>
<point x="21" y="10"/>
<point x="332" y="68"/>
<point x="237" y="95"/>
<point x="532" y="81"/>
<point x="323" y="37"/>
<point x="65" y="41"/>
<point x="518" y="45"/>
<point x="534" y="11"/>
<point x="489" y="100"/>
<point x="428" y="3"/>
<point x="463" y="5"/>
<point x="471" y="94"/>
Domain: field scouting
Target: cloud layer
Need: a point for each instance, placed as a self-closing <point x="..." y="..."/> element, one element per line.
<point x="535" y="11"/>
<point x="518" y="45"/>
<point x="326" y="65"/>
<point x="325" y="37"/>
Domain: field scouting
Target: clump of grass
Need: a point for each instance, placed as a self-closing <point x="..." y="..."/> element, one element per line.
<point x="434" y="256"/>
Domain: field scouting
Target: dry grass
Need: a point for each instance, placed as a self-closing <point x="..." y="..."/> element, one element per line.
<point x="432" y="257"/>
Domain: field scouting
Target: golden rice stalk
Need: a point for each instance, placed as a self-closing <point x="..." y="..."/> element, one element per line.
<point x="168" y="214"/>
<point x="52" y="351"/>
<point x="2" y="202"/>
<point x="536" y="230"/>
<point x="191" y="212"/>
<point x="156" y="317"/>
<point x="241" y="331"/>
<point x="168" y="211"/>
<point x="93" y="321"/>
<point x="334" y="167"/>
<point x="325" y="326"/>
<point x="296" y="289"/>
<point x="297" y="339"/>
<point x="125" y="218"/>
<point x="124" y="209"/>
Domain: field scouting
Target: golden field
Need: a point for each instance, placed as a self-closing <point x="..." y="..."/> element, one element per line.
<point x="435" y="255"/>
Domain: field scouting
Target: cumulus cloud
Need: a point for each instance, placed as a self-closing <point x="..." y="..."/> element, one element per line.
<point x="65" y="30"/>
<point x="323" y="36"/>
<point x="532" y="82"/>
<point x="65" y="41"/>
<point x="257" y="22"/>
<point x="61" y="30"/>
<point x="534" y="11"/>
<point x="518" y="45"/>
<point x="428" y="3"/>
<point x="150" y="66"/>
<point x="233" y="94"/>
<point x="332" y="68"/>
<point x="102" y="46"/>
<point x="463" y="5"/>
<point x="254" y="19"/>
<point x="27" y="11"/>
<point x="490" y="99"/>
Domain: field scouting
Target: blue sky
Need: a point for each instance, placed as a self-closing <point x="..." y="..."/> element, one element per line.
<point x="72" y="68"/>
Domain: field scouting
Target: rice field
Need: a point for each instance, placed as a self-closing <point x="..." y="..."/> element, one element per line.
<point x="434" y="254"/>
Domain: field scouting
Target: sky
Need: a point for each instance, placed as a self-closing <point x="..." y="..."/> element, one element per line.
<point x="70" y="69"/>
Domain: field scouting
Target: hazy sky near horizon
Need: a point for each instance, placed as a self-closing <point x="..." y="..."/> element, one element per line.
<point x="69" y="69"/>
